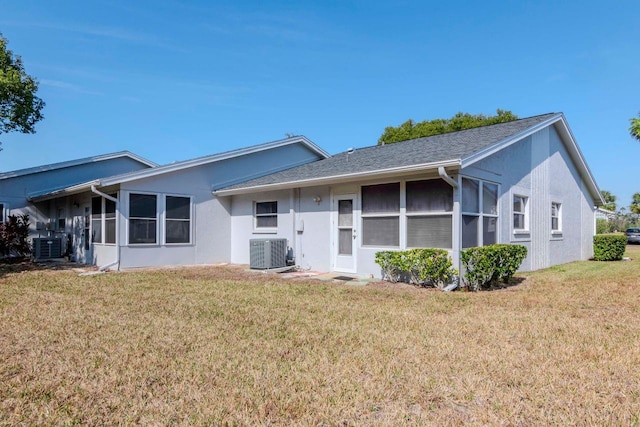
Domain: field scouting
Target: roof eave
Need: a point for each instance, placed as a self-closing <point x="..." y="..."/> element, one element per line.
<point x="452" y="164"/>
<point x="68" y="191"/>
<point x="574" y="151"/>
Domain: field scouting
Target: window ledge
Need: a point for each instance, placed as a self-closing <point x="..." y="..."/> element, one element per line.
<point x="265" y="231"/>
<point x="521" y="232"/>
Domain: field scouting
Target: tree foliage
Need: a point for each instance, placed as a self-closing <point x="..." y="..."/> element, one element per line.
<point x="635" y="204"/>
<point x="461" y="121"/>
<point x="634" y="128"/>
<point x="13" y="236"/>
<point x="20" y="108"/>
<point x="609" y="200"/>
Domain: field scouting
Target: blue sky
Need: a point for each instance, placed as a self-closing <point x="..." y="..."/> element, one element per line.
<point x="172" y="80"/>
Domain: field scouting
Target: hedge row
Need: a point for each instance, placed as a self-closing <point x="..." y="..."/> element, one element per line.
<point x="487" y="265"/>
<point x="423" y="267"/>
<point x="609" y="247"/>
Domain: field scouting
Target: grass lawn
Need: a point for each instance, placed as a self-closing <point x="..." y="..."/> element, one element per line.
<point x="220" y="346"/>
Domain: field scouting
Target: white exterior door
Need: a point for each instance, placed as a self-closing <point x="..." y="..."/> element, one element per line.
<point x="344" y="234"/>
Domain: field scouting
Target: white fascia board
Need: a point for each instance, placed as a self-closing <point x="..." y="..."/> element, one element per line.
<point x="76" y="162"/>
<point x="133" y="176"/>
<point x="334" y="179"/>
<point x="576" y="154"/>
<point x="501" y="145"/>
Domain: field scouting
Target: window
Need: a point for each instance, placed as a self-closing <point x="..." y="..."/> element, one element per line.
<point x="266" y="217"/>
<point x="61" y="220"/>
<point x="381" y="215"/>
<point x="520" y="219"/>
<point x="429" y="214"/>
<point x="96" y="220"/>
<point x="103" y="220"/>
<point x="110" y="220"/>
<point x="143" y="218"/>
<point x="556" y="217"/>
<point x="177" y="220"/>
<point x="479" y="213"/>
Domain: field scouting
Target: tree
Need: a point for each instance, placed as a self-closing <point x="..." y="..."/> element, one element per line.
<point x="461" y="121"/>
<point x="609" y="200"/>
<point x="13" y="236"/>
<point x="635" y="204"/>
<point x="20" y="108"/>
<point x="634" y="129"/>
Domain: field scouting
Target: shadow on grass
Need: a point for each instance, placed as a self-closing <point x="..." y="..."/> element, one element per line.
<point x="19" y="265"/>
<point x="515" y="281"/>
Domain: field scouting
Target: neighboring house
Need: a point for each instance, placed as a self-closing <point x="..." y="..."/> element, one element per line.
<point x="167" y="215"/>
<point x="605" y="214"/>
<point x="522" y="182"/>
<point x="62" y="218"/>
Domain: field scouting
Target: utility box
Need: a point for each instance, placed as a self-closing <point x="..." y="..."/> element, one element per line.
<point x="267" y="253"/>
<point x="47" y="248"/>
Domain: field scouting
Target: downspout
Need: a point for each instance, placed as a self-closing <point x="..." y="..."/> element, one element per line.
<point x="443" y="174"/>
<point x="115" y="200"/>
<point x="452" y="182"/>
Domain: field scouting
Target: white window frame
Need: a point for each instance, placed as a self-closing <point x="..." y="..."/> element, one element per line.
<point x="558" y="216"/>
<point x="165" y="219"/>
<point x="524" y="213"/>
<point x="157" y="217"/>
<point x="256" y="215"/>
<point x="103" y="221"/>
<point x="481" y="215"/>
<point x="402" y="209"/>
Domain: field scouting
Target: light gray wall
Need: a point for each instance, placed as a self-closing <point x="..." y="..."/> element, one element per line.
<point x="302" y="221"/>
<point x="540" y="168"/>
<point x="212" y="216"/>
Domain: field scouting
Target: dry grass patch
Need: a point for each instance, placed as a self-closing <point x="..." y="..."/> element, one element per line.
<point x="219" y="346"/>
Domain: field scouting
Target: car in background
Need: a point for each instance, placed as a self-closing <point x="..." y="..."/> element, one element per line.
<point x="633" y="235"/>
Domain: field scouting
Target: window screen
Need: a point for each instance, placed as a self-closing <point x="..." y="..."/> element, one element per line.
<point x="469" y="231"/>
<point x="381" y="231"/>
<point x="433" y="231"/>
<point x="178" y="220"/>
<point x="96" y="220"/>
<point x="383" y="198"/>
<point x="142" y="218"/>
<point x="470" y="202"/>
<point x="110" y="220"/>
<point x="429" y="196"/>
<point x="266" y="214"/>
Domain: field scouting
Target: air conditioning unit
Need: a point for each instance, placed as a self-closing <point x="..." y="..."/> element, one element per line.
<point x="44" y="248"/>
<point x="267" y="253"/>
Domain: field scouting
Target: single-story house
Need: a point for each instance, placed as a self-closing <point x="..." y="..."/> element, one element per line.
<point x="522" y="182"/>
<point x="159" y="215"/>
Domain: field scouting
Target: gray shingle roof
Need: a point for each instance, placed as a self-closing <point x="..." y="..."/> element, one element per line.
<point x="438" y="148"/>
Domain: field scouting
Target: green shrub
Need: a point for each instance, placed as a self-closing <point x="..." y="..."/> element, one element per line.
<point x="602" y="226"/>
<point x="423" y="267"/>
<point x="609" y="247"/>
<point x="391" y="264"/>
<point x="487" y="265"/>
